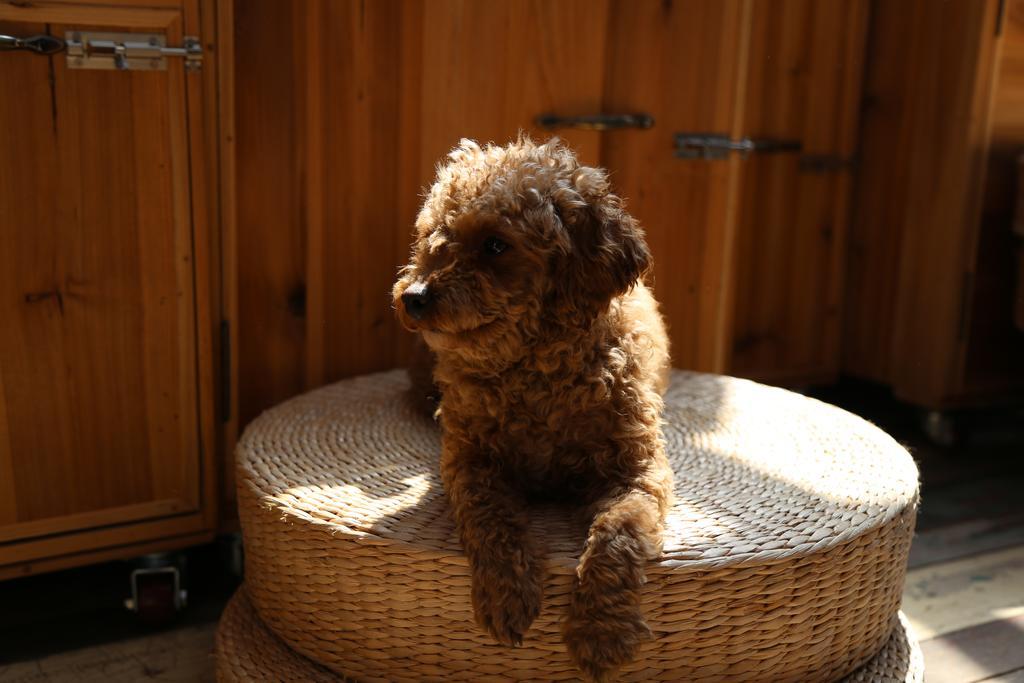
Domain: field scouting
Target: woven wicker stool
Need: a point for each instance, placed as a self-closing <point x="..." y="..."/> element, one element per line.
<point x="247" y="651"/>
<point x="784" y="554"/>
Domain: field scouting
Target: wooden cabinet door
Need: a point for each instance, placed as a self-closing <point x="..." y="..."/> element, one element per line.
<point x="340" y="127"/>
<point x="747" y="247"/>
<point x="803" y="84"/>
<point x="915" y="233"/>
<point x="100" y="406"/>
<point x="489" y="70"/>
<point x="681" y="63"/>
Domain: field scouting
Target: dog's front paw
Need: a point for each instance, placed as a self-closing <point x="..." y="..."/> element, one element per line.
<point x="506" y="600"/>
<point x="601" y="641"/>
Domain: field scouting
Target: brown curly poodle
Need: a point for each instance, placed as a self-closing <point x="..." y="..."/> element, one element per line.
<point x="526" y="281"/>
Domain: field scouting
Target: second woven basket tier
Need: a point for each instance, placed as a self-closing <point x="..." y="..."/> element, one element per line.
<point x="784" y="553"/>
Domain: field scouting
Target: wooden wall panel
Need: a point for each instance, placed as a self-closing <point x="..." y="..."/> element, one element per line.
<point x="338" y="132"/>
<point x="270" y="232"/>
<point x="489" y="69"/>
<point x="340" y="128"/>
<point x="485" y="71"/>
<point x="924" y="135"/>
<point x="803" y="83"/>
<point x="873" y="255"/>
<point x="1008" y="96"/>
<point x="947" y="143"/>
<point x="994" y="361"/>
<point x="682" y="63"/>
<point x="361" y="220"/>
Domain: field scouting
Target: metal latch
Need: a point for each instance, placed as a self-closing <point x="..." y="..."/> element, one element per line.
<point x="718" y="146"/>
<point x="132" y="51"/>
<point x="595" y="121"/>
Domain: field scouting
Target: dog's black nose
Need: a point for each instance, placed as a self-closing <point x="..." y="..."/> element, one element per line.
<point x="416" y="299"/>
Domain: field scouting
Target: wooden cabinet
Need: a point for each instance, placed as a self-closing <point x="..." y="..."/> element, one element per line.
<point x="339" y="128"/>
<point x="931" y="273"/>
<point x="804" y="83"/>
<point x="147" y="318"/>
<point x="106" y="443"/>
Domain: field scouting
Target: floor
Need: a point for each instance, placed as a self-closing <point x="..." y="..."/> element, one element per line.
<point x="180" y="655"/>
<point x="964" y="592"/>
<point x="72" y="625"/>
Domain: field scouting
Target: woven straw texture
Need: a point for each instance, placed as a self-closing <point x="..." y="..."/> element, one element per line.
<point x="247" y="651"/>
<point x="784" y="554"/>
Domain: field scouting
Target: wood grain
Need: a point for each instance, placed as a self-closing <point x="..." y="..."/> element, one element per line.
<point x="106" y="269"/>
<point x="199" y="19"/>
<point x="969" y="537"/>
<point x="378" y="93"/>
<point x="873" y="255"/>
<point x="270" y="243"/>
<point x="88" y="549"/>
<point x="8" y="494"/>
<point x="88" y="13"/>
<point x="29" y="77"/>
<point x="993" y="362"/>
<point x="24" y="557"/>
<point x="118" y="402"/>
<point x="678" y="62"/>
<point x="975" y="653"/>
<point x="227" y="204"/>
<point x="309" y="52"/>
<point x="106" y="516"/>
<point x="359" y="104"/>
<point x="335" y="188"/>
<point x="1008" y="98"/>
<point x="802" y="84"/>
<point x="914" y="235"/>
<point x="954" y="595"/>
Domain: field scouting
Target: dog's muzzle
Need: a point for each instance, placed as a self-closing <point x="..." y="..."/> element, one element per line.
<point x="417" y="300"/>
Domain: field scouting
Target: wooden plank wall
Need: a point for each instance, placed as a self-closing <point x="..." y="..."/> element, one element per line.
<point x="804" y="83"/>
<point x="325" y="210"/>
<point x="684" y="64"/>
<point x="925" y="128"/>
<point x="271" y="229"/>
<point x="995" y="347"/>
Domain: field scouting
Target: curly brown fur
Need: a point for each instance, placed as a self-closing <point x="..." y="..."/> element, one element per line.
<point x="423" y="393"/>
<point x="551" y="358"/>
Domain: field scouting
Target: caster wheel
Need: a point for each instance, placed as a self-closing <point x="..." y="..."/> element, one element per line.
<point x="940" y="428"/>
<point x="157" y="595"/>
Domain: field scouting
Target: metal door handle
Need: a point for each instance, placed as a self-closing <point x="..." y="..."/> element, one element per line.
<point x="717" y="146"/>
<point x="595" y="121"/>
<point x="44" y="45"/>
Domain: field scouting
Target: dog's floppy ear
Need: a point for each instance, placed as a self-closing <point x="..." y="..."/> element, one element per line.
<point x="608" y="252"/>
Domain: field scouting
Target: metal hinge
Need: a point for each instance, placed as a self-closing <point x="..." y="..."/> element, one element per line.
<point x="225" y="371"/>
<point x="128" y="51"/>
<point x="713" y="146"/>
<point x="595" y="121"/>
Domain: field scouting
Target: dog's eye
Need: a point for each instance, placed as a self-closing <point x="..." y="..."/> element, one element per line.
<point x="494" y="246"/>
